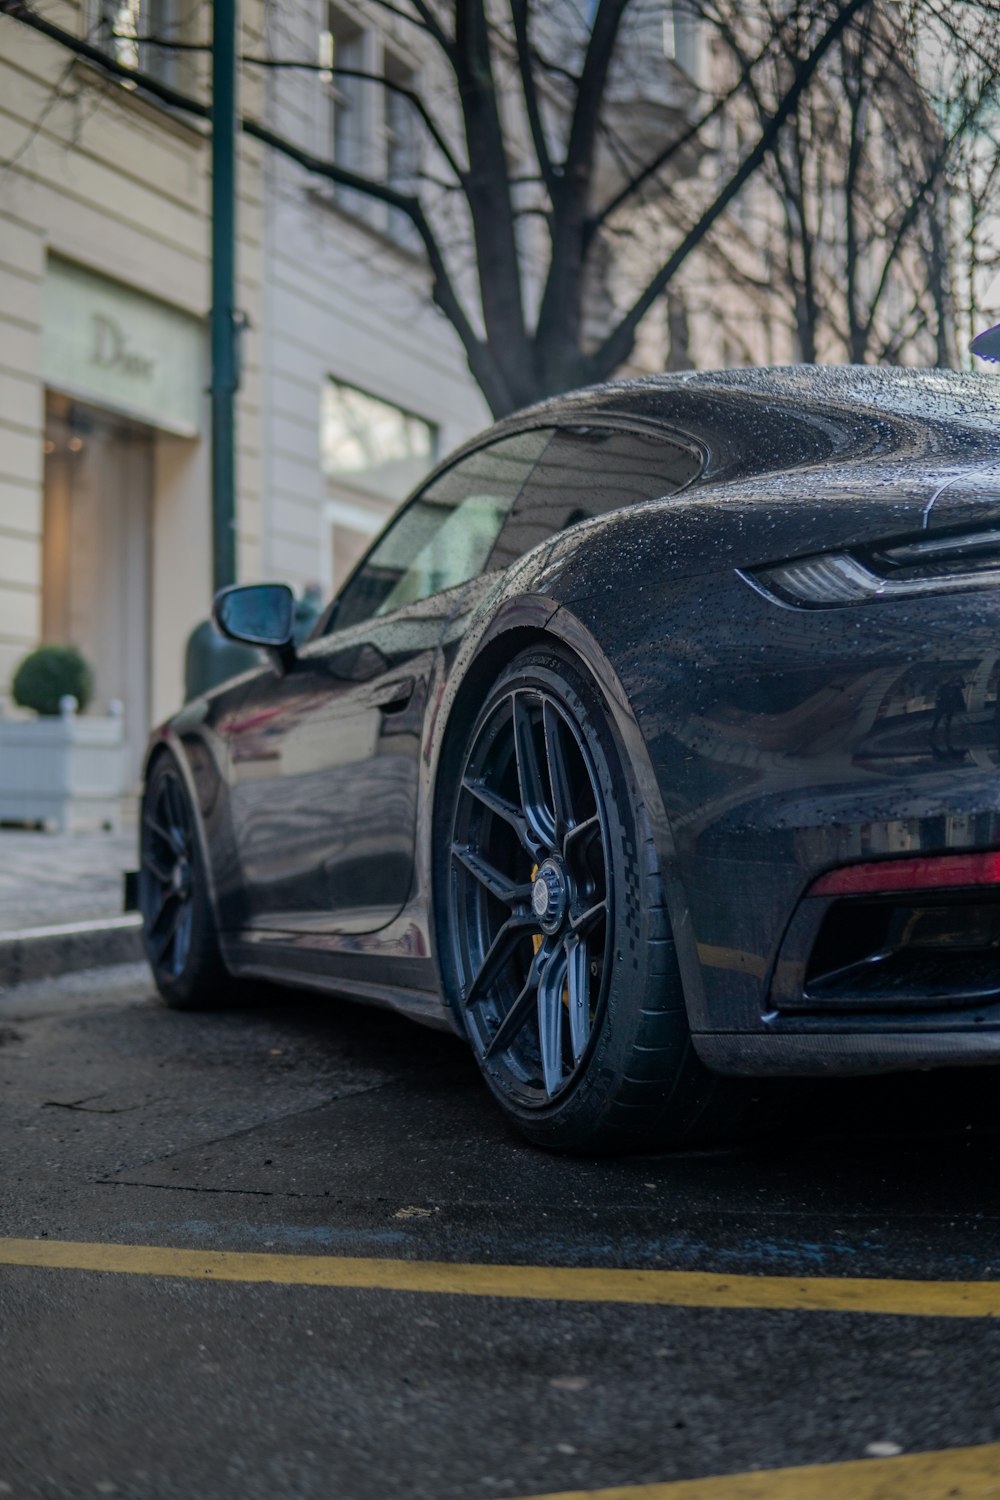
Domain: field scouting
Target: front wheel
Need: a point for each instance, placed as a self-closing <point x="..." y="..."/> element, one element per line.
<point x="555" y="943"/>
<point x="178" y="923"/>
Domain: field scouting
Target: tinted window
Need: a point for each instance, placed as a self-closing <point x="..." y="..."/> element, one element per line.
<point x="588" y="471"/>
<point x="446" y="533"/>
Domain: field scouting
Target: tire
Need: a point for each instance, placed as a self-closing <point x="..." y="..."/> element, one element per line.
<point x="554" y="938"/>
<point x="179" y="932"/>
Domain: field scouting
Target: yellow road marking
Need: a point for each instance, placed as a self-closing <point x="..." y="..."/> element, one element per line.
<point x="923" y="1299"/>
<point x="948" y="1474"/>
<point x="732" y="958"/>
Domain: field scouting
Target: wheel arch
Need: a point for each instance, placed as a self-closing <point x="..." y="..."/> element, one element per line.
<point x="534" y="621"/>
<point x="538" y="621"/>
<point x="492" y="656"/>
<point x="167" y="745"/>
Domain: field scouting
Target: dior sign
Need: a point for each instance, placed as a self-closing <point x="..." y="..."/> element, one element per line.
<point x="117" y="348"/>
<point x="112" y="351"/>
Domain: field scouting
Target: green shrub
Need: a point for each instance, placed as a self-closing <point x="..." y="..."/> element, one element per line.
<point x="48" y="674"/>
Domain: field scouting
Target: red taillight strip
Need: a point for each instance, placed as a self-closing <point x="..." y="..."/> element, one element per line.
<point x="928" y="873"/>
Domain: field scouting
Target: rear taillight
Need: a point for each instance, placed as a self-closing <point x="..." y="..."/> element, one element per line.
<point x="932" y="872"/>
<point x="889" y="570"/>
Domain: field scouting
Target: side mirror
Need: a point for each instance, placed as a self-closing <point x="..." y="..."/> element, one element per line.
<point x="258" y="614"/>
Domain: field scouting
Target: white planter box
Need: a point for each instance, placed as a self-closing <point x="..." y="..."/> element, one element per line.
<point x="70" y="770"/>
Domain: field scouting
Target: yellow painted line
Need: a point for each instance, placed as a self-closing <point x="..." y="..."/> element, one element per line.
<point x="924" y="1299"/>
<point x="736" y="959"/>
<point x="948" y="1474"/>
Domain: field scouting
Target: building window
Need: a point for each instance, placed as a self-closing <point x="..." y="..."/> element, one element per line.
<point x="681" y="37"/>
<point x="350" y="529"/>
<point x="122" y="28"/>
<point x="373" y="455"/>
<point x="401" y="131"/>
<point x="372" y="446"/>
<point x="373" y="130"/>
<point x="342" y="50"/>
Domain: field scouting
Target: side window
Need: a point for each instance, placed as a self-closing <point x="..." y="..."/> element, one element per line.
<point x="586" y="472"/>
<point x="445" y="534"/>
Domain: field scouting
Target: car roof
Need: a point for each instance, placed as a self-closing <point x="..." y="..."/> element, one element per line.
<point x="755" y="420"/>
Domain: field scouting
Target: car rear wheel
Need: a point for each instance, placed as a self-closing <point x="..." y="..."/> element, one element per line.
<point x="556" y="945"/>
<point x="178" y="924"/>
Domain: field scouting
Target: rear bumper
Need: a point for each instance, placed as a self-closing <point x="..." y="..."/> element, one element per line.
<point x="787" y="744"/>
<point x="826" y="1054"/>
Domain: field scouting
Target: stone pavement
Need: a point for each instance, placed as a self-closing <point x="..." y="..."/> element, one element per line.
<point x="51" y="878"/>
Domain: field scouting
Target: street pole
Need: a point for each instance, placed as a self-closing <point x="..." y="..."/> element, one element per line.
<point x="224" y="333"/>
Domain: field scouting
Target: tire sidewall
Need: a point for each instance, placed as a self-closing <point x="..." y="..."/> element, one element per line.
<point x="578" y="1110"/>
<point x="203" y="962"/>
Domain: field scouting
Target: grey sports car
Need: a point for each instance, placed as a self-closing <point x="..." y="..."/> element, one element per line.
<point x="654" y="742"/>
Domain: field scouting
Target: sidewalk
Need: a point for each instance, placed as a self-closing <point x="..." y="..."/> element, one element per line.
<point x="50" y="878"/>
<point x="61" y="902"/>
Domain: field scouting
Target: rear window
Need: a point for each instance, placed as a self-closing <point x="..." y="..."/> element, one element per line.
<point x="589" y="471"/>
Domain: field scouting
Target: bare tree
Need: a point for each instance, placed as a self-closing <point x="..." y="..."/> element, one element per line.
<point x="857" y="210"/>
<point x="548" y="273"/>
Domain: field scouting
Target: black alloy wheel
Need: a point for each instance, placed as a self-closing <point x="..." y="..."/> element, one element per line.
<point x="178" y="925"/>
<point x="530" y="894"/>
<point x="554" y="939"/>
<point x="166" y="882"/>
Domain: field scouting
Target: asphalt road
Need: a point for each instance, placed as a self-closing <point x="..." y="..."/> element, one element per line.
<point x="321" y="1134"/>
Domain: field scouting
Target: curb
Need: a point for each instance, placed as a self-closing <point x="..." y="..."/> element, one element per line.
<point x="46" y="952"/>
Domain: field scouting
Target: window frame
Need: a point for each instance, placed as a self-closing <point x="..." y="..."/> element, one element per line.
<point x="610" y="422"/>
<point x="326" y="625"/>
<point x="554" y="425"/>
<point x="401" y="70"/>
<point x="382" y="55"/>
<point x="167" y="66"/>
<point x="349" y="148"/>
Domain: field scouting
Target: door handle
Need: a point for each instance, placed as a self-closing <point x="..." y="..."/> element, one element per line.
<point x="394" y="696"/>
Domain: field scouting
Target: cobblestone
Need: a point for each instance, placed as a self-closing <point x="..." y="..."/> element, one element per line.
<point x="48" y="878"/>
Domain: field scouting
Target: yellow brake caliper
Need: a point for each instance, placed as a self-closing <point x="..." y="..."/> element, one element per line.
<point x="536" y="943"/>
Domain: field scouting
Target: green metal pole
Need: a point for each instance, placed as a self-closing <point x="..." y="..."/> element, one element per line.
<point x="225" y="361"/>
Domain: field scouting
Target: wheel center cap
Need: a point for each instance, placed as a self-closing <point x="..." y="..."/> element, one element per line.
<point x="549" y="896"/>
<point x="180" y="878"/>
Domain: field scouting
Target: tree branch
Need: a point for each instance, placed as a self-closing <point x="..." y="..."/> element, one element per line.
<point x="519" y="14"/>
<point x="444" y="292"/>
<point x="560" y="314"/>
<point x="18" y="10"/>
<point x="489" y="195"/>
<point x="297" y="65"/>
<point x="658" y="162"/>
<point x="433" y="129"/>
<point x="616" y="347"/>
<point x="481" y="361"/>
<point x="424" y="20"/>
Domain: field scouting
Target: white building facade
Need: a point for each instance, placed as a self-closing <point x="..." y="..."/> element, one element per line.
<point x="365" y="383"/>
<point x="105" y="522"/>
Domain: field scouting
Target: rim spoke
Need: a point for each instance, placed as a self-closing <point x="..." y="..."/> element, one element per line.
<point x="163" y="833"/>
<point x="581" y="833"/>
<point x="182" y="937"/>
<point x="551" y="984"/>
<point x="169" y="802"/>
<point x="165" y="896"/>
<point x="161" y="940"/>
<point x="578" y="979"/>
<point x="178" y="815"/>
<point x="555" y="749"/>
<point x="500" y="951"/>
<point x="516" y="1016"/>
<point x="159" y="871"/>
<point x="499" y="885"/>
<point x="530" y="787"/>
<point x="583" y="921"/>
<point x="529" y="774"/>
<point x="502" y="808"/>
